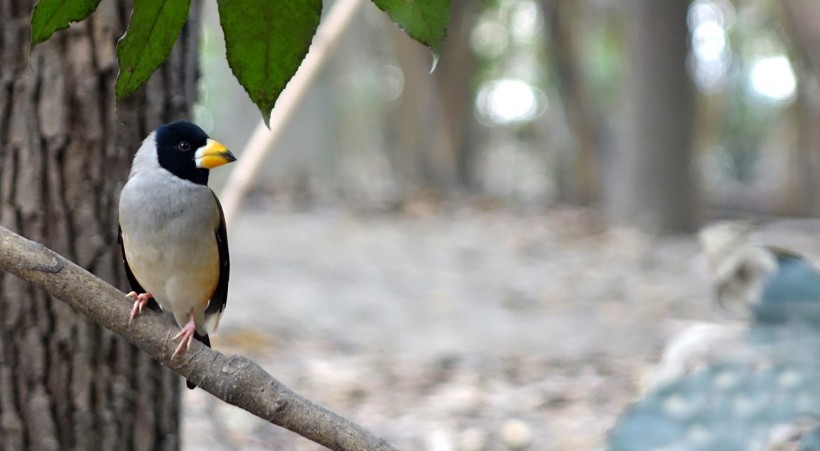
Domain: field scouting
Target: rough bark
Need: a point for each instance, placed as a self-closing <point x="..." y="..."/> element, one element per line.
<point x="659" y="190"/>
<point x="66" y="383"/>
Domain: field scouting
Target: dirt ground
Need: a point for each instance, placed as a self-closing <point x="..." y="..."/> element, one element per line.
<point x="455" y="328"/>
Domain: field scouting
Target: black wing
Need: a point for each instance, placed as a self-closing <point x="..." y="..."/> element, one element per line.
<point x="220" y="297"/>
<point x="132" y="280"/>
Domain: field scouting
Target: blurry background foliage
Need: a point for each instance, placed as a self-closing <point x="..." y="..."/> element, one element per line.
<point x="527" y="108"/>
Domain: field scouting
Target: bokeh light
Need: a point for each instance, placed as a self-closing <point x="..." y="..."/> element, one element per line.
<point x="509" y="101"/>
<point x="773" y="78"/>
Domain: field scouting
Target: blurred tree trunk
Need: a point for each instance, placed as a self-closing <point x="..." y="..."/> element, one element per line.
<point x="454" y="83"/>
<point x="418" y="153"/>
<point x="65" y="152"/>
<point x="658" y="188"/>
<point x="799" y="185"/>
<point x="802" y="19"/>
<point x="562" y="18"/>
<point x="434" y="122"/>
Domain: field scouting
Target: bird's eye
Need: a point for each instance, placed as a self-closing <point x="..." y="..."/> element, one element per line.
<point x="184" y="146"/>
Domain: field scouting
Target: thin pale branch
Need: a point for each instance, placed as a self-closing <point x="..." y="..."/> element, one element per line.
<point x="236" y="380"/>
<point x="262" y="140"/>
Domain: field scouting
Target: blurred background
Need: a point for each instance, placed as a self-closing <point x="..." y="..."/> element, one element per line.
<point x="491" y="255"/>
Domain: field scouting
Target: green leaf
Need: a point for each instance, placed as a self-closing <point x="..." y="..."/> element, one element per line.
<point x="265" y="42"/>
<point x="423" y="20"/>
<point x="50" y="16"/>
<point x="152" y="31"/>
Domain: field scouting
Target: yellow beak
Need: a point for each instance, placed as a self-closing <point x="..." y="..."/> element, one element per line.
<point x="213" y="154"/>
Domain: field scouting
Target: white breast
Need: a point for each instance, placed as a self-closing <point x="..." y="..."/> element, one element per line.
<point x="168" y="231"/>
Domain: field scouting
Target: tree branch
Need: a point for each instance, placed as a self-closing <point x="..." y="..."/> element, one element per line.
<point x="236" y="380"/>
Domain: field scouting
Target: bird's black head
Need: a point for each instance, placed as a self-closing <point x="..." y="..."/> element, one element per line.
<point x="186" y="151"/>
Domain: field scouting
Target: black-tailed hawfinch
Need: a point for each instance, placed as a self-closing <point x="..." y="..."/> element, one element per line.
<point x="172" y="230"/>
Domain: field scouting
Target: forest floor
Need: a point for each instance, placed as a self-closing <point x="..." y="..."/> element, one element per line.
<point x="458" y="328"/>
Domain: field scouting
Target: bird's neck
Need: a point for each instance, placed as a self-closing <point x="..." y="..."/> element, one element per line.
<point x="200" y="176"/>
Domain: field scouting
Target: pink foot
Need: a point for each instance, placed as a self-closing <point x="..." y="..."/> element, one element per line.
<point x="140" y="301"/>
<point x="187" y="334"/>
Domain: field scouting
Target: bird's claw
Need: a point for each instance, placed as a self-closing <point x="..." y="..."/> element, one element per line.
<point x="140" y="301"/>
<point x="187" y="336"/>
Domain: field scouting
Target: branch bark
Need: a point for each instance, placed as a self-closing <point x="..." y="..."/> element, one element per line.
<point x="235" y="379"/>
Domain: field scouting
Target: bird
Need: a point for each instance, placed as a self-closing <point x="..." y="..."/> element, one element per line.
<point x="172" y="231"/>
<point x="753" y="384"/>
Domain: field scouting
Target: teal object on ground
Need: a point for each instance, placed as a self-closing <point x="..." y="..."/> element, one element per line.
<point x="744" y="402"/>
<point x="791" y="293"/>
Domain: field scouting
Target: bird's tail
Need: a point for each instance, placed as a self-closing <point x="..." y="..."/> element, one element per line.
<point x="204" y="339"/>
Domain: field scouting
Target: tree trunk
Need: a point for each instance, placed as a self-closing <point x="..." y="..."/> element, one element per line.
<point x="420" y="152"/>
<point x="65" y="152"/>
<point x="564" y="32"/>
<point x="454" y="86"/>
<point x="657" y="153"/>
<point x="802" y="19"/>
